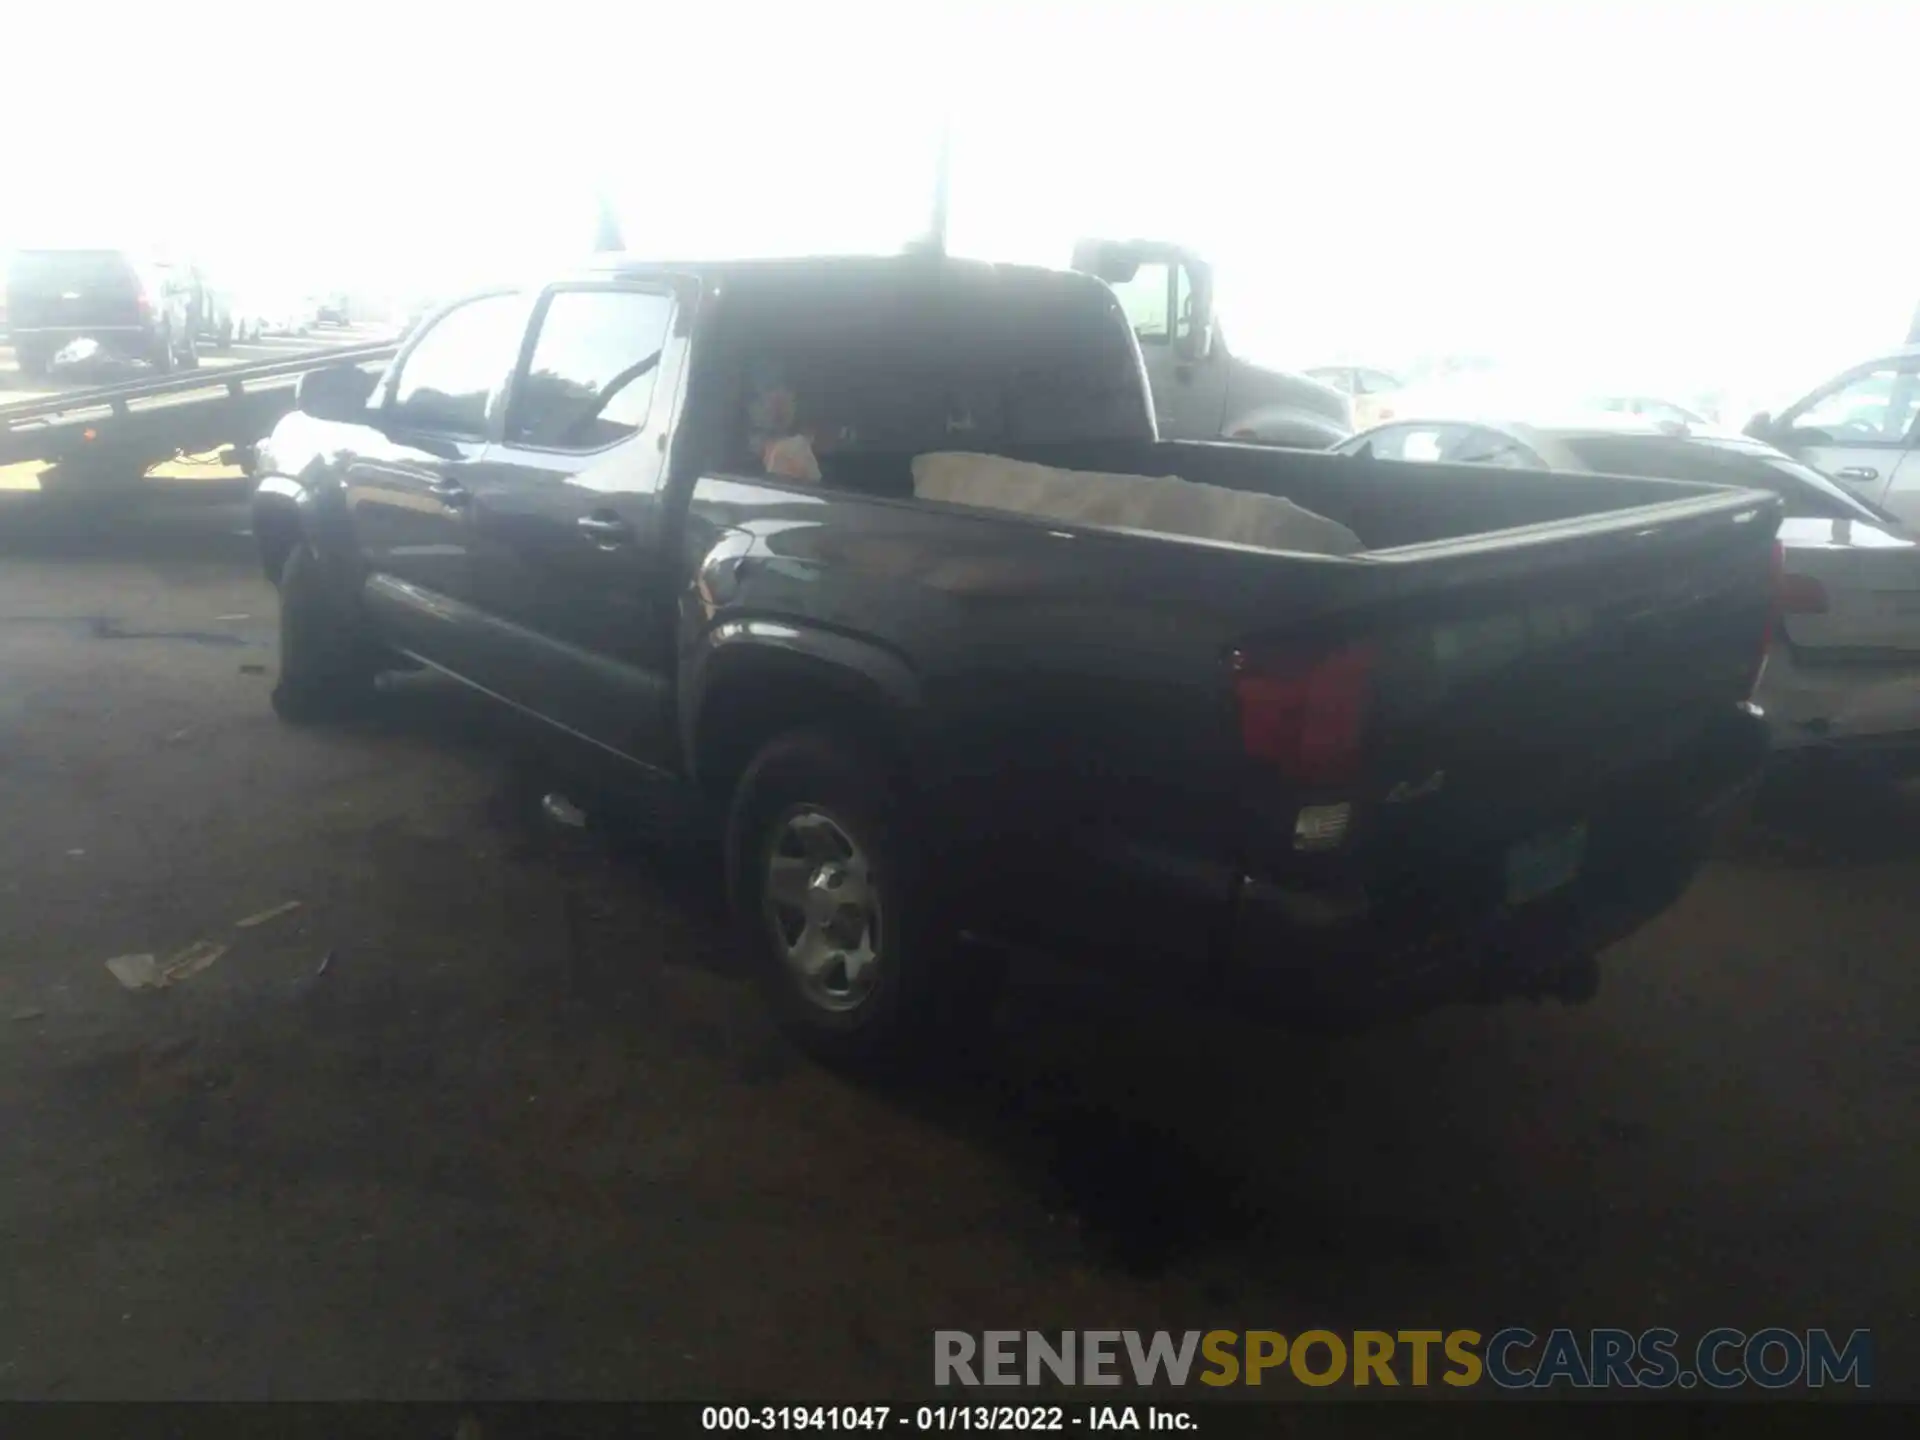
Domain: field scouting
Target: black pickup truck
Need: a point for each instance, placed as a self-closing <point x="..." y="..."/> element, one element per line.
<point x="1453" y="764"/>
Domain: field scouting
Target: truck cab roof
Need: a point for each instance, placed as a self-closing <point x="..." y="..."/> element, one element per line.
<point x="854" y="270"/>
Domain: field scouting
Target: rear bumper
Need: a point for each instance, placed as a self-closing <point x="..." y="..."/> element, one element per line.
<point x="1864" y="705"/>
<point x="1340" y="952"/>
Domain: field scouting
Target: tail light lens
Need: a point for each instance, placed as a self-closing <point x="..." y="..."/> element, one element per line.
<point x="1305" y="717"/>
<point x="1798" y="594"/>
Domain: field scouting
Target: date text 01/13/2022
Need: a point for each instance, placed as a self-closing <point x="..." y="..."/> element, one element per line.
<point x="938" y="1418"/>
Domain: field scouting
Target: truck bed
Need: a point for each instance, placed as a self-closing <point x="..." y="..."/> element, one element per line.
<point x="1388" y="505"/>
<point x="1539" y="641"/>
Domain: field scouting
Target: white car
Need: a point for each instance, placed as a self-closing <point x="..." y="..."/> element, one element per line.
<point x="1650" y="408"/>
<point x="1843" y="671"/>
<point x="1373" y="390"/>
<point x="266" y="313"/>
<point x="1863" y="428"/>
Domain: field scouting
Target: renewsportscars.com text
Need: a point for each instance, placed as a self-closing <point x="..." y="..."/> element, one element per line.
<point x="1514" y="1358"/>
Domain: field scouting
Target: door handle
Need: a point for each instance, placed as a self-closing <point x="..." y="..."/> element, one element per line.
<point x="450" y="492"/>
<point x="1861" y="474"/>
<point x="605" y="529"/>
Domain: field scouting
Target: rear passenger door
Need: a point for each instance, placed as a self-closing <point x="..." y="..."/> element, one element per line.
<point x="568" y="525"/>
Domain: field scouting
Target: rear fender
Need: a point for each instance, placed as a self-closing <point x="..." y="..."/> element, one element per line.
<point x="748" y="680"/>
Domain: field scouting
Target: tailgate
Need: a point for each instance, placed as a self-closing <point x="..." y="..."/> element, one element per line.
<point x="1517" y="681"/>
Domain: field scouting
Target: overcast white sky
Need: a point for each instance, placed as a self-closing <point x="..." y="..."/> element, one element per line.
<point x="1681" y="188"/>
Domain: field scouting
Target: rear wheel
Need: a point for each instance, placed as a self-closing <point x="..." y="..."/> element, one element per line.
<point x="162" y="354"/>
<point x="844" y="921"/>
<point x="34" y="360"/>
<point x="327" y="661"/>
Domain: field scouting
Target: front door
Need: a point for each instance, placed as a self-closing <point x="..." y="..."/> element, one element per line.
<point x="566" y="511"/>
<point x="407" y="485"/>
<point x="1861" y="430"/>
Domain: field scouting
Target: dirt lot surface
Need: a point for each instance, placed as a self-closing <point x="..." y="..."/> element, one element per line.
<point x="529" y="1133"/>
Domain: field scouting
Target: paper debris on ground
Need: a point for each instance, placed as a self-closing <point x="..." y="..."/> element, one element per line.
<point x="563" y="811"/>
<point x="190" y="962"/>
<point x="136" y="972"/>
<point x="265" y="915"/>
<point x="251" y="668"/>
<point x="326" y="961"/>
<point x="28" y="1012"/>
<point x="233" y="617"/>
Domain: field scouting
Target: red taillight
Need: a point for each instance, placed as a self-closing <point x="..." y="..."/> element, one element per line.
<point x="145" y="305"/>
<point x="1797" y="594"/>
<point x="1305" y="717"/>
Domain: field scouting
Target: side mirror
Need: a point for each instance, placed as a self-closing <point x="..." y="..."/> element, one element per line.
<point x="1195" y="327"/>
<point x="338" y="392"/>
<point x="1115" y="262"/>
<point x="1760" y="427"/>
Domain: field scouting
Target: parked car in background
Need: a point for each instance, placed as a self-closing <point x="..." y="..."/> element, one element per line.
<point x="214" y="317"/>
<point x="266" y="312"/>
<point x="333" y="308"/>
<point x="1651" y="409"/>
<point x="1371" y="390"/>
<point x="1201" y="389"/>
<point x="134" y="306"/>
<point x="1863" y="428"/>
<point x="1844" y="667"/>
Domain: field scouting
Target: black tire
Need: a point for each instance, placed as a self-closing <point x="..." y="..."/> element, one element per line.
<point x="327" y="662"/>
<point x="927" y="994"/>
<point x="163" y="352"/>
<point x="190" y="356"/>
<point x="34" y="360"/>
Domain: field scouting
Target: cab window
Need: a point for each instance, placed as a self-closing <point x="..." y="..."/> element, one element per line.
<point x="1875" y="408"/>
